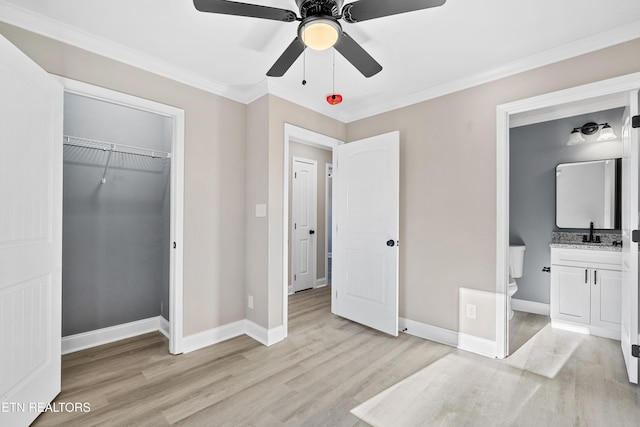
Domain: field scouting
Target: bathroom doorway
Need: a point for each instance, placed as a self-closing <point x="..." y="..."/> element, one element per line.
<point x="613" y="93"/>
<point x="535" y="152"/>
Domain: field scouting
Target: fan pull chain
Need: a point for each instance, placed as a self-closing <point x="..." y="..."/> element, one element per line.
<point x="304" y="67"/>
<point x="333" y="84"/>
<point x="304" y="62"/>
<point x="334" y="98"/>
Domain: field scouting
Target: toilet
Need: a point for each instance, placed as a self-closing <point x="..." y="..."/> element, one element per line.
<point x="516" y="268"/>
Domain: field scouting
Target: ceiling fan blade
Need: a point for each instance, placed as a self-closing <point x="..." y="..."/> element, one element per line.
<point x="364" y="10"/>
<point x="244" y="9"/>
<point x="287" y="59"/>
<point x="358" y="57"/>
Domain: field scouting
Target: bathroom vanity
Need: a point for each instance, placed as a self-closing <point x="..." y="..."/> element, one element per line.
<point x="586" y="268"/>
<point x="586" y="285"/>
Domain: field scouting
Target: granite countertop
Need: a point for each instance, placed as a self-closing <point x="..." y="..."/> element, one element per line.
<point x="572" y="240"/>
<point x="586" y="246"/>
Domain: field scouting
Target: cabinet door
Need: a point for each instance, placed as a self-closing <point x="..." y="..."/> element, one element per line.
<point x="606" y="298"/>
<point x="570" y="294"/>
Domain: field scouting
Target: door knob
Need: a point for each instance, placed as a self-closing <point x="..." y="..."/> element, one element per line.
<point x="312" y="231"/>
<point x="391" y="243"/>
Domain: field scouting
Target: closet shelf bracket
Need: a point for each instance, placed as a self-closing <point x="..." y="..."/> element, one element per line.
<point x="106" y="166"/>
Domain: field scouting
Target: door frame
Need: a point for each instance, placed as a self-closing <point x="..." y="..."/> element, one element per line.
<point x="294" y="133"/>
<point x="328" y="183"/>
<point x="294" y="250"/>
<point x="603" y="94"/>
<point x="176" y="262"/>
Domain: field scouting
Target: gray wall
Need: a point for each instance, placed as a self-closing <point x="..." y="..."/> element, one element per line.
<point x="115" y="235"/>
<point x="535" y="151"/>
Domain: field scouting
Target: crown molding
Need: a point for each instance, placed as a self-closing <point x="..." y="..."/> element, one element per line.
<point x="583" y="46"/>
<point x="39" y="24"/>
<point x="257" y="91"/>
<point x="56" y="30"/>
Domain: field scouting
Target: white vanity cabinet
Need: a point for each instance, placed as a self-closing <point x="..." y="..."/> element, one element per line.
<point x="585" y="290"/>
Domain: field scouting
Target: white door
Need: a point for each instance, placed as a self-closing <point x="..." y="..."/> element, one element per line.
<point x="30" y="237"/>
<point x="365" y="231"/>
<point x="304" y="218"/>
<point x="629" y="325"/>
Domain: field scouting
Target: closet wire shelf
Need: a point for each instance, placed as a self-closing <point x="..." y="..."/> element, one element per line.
<point x="110" y="146"/>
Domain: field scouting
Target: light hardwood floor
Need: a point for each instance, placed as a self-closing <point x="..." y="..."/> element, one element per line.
<point x="326" y="367"/>
<point x="523" y="327"/>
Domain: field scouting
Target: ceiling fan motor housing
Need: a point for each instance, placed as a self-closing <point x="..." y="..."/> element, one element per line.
<point x="310" y="8"/>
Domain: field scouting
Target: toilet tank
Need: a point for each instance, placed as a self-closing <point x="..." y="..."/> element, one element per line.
<point x="516" y="260"/>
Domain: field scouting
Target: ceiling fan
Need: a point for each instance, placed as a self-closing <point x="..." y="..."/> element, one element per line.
<point x="319" y="28"/>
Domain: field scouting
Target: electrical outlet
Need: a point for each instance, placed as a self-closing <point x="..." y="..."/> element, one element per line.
<point x="471" y="311"/>
<point x="250" y="301"/>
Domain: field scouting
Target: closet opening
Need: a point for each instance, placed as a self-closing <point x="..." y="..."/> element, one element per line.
<point x="122" y="221"/>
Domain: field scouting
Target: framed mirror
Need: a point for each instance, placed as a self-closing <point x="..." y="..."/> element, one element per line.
<point x="588" y="192"/>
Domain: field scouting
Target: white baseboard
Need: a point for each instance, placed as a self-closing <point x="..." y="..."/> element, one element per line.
<point x="462" y="341"/>
<point x="73" y="343"/>
<point x="212" y="336"/>
<point x="232" y="330"/>
<point x="164" y="327"/>
<point x="77" y="342"/>
<point x="319" y="284"/>
<point x="262" y="335"/>
<point x="530" y="307"/>
<point x="477" y="345"/>
<point x="428" y="332"/>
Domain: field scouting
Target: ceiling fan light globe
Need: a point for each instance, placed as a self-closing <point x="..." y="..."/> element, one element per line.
<point x="320" y="34"/>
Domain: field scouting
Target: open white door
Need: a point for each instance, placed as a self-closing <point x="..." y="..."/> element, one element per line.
<point x="630" y="215"/>
<point x="365" y="231"/>
<point x="304" y="222"/>
<point x="30" y="237"/>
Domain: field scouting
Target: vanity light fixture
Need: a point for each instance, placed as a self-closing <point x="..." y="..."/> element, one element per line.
<point x="590" y="128"/>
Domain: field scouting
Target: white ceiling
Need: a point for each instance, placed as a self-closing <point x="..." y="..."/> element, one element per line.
<point x="423" y="54"/>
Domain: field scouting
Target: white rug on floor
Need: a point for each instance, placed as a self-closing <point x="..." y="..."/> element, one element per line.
<point x="443" y="393"/>
<point x="466" y="389"/>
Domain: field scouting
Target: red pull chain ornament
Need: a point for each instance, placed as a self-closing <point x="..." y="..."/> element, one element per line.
<point x="334" y="99"/>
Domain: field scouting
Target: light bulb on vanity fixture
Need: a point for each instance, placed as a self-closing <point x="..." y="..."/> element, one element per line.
<point x="606" y="133"/>
<point x="590" y="128"/>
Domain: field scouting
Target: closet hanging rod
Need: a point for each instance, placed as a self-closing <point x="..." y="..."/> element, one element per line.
<point x="110" y="146"/>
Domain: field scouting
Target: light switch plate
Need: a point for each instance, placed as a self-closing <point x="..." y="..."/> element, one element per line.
<point x="261" y="210"/>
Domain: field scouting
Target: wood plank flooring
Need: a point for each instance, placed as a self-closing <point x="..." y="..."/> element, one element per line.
<point x="523" y="327"/>
<point x="326" y="367"/>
